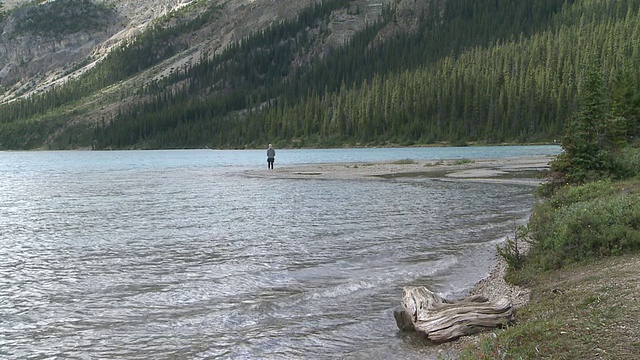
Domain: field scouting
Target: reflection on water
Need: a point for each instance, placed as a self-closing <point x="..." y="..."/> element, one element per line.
<point x="196" y="262"/>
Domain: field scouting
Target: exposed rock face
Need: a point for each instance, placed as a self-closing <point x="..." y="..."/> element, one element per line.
<point x="31" y="63"/>
<point x="34" y="61"/>
<point x="30" y="59"/>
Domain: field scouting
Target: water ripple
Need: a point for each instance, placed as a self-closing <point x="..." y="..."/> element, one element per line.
<point x="200" y="263"/>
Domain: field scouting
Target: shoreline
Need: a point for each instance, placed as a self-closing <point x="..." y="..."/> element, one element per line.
<point x="493" y="287"/>
<point x="516" y="170"/>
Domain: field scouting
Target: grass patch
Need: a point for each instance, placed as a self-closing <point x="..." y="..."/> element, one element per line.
<point x="404" y="162"/>
<point x="435" y="163"/>
<point x="449" y="162"/>
<point x="463" y="162"/>
<point x="580" y="312"/>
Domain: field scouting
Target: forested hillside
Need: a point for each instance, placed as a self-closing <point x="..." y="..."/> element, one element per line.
<point x="469" y="71"/>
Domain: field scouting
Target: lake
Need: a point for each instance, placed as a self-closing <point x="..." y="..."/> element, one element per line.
<point x="181" y="254"/>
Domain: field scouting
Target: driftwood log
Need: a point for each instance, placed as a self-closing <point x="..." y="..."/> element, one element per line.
<point x="441" y="320"/>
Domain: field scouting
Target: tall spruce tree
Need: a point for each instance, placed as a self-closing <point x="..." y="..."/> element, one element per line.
<point x="625" y="107"/>
<point x="589" y="140"/>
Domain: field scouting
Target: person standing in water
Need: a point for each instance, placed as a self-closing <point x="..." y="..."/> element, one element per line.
<point x="271" y="156"/>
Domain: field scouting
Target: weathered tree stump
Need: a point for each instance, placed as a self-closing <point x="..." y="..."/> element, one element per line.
<point x="441" y="320"/>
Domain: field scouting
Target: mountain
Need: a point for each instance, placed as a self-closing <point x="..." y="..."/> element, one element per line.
<point x="182" y="74"/>
<point x="44" y="45"/>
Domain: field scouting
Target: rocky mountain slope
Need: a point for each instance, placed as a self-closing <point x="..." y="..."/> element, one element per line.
<point x="46" y="44"/>
<point x="32" y="60"/>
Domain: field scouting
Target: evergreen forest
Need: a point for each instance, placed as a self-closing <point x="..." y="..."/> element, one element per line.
<point x="479" y="71"/>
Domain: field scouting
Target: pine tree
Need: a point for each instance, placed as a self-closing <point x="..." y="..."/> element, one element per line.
<point x="586" y="149"/>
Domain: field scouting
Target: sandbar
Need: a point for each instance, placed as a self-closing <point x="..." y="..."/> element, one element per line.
<point x="517" y="170"/>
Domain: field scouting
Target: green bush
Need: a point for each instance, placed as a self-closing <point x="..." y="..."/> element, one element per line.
<point x="597" y="228"/>
<point x="511" y="250"/>
<point x="404" y="162"/>
<point x="624" y="164"/>
<point x="581" y="230"/>
<point x="627" y="163"/>
<point x="575" y="194"/>
<point x="463" y="161"/>
<point x="545" y="212"/>
<point x="583" y="164"/>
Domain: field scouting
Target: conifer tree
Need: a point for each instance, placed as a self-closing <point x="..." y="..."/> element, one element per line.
<point x="586" y="143"/>
<point x="625" y="107"/>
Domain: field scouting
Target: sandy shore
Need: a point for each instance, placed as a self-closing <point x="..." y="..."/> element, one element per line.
<point x="522" y="170"/>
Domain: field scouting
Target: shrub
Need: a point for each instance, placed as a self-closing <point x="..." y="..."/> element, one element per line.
<point x="463" y="161"/>
<point x="575" y="194"/>
<point x="545" y="213"/>
<point x="599" y="228"/>
<point x="627" y="163"/>
<point x="581" y="230"/>
<point x="404" y="162"/>
<point x="511" y="251"/>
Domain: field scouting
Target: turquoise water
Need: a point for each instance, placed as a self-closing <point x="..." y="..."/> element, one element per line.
<point x="179" y="254"/>
<point x="99" y="161"/>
